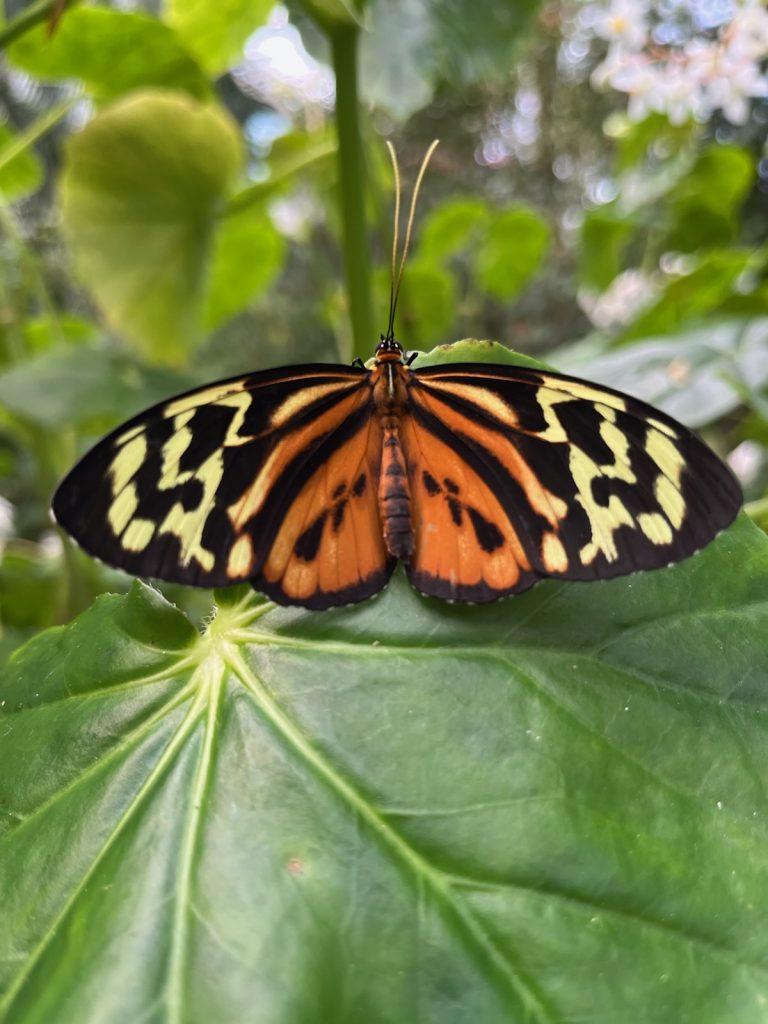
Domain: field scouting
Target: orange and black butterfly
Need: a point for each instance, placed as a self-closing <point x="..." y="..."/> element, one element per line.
<point x="311" y="482"/>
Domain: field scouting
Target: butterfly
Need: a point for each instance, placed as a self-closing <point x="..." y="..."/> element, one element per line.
<point x="312" y="482"/>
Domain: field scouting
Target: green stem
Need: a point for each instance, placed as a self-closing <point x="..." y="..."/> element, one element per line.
<point x="35" y="131"/>
<point x="261" y="190"/>
<point x="29" y="17"/>
<point x="357" y="257"/>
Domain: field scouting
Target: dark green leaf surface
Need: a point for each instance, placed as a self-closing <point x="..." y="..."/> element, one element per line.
<point x="550" y="809"/>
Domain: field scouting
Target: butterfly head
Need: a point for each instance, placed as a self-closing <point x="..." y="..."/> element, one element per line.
<point x="389" y="351"/>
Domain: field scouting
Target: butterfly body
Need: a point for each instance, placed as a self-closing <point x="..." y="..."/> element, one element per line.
<point x="312" y="482"/>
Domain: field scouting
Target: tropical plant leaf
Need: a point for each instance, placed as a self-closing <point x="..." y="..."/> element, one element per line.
<point x="144" y="185"/>
<point x="112" y="52"/>
<point x="545" y="810"/>
<point x="215" y="33"/>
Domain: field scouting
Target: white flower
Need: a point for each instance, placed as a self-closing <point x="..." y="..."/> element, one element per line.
<point x="735" y="81"/>
<point x="747" y="35"/>
<point x="678" y="93"/>
<point x="623" y="22"/>
<point x="640" y="78"/>
<point x="624" y="299"/>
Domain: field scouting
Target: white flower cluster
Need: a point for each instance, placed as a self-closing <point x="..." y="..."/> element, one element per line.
<point x="684" y="71"/>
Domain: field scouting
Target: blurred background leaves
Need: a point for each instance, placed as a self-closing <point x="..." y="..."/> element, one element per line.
<point x="170" y="212"/>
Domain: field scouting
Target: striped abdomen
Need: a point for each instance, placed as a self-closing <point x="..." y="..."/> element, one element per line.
<point x="394" y="495"/>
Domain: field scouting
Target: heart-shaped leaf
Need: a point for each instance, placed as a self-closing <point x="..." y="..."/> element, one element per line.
<point x="144" y="184"/>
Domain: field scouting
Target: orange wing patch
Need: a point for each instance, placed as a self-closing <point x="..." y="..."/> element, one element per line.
<point x="466" y="549"/>
<point x="330" y="549"/>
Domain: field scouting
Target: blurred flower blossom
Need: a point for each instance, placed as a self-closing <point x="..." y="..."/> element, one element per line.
<point x="6" y="520"/>
<point x="621" y="302"/>
<point x="685" y="64"/>
<point x="623" y="22"/>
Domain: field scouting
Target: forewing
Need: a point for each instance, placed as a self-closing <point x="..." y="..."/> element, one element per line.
<point x="593" y="483"/>
<point x="195" y="489"/>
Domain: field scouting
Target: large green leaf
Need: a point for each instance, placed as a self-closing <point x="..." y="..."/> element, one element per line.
<point x="216" y="32"/>
<point x="143" y="187"/>
<point x="112" y="52"/>
<point x="545" y="810"/>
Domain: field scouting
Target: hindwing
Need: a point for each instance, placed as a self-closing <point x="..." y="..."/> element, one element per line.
<point x="576" y="481"/>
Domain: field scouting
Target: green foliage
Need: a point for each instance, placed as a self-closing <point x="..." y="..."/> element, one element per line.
<point x="480" y="807"/>
<point x="706" y="289"/>
<point x="144" y="184"/>
<point x="513" y="249"/>
<point x="215" y="32"/>
<point x="547" y="809"/>
<point x="467" y="245"/>
<point x="451" y="227"/>
<point x="427" y="307"/>
<point x="112" y="52"/>
<point x="78" y="385"/>
<point x="248" y="253"/>
<point x="20" y="170"/>
<point x="461" y="41"/>
<point x="603" y="238"/>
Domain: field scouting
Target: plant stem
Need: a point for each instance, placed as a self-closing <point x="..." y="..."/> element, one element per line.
<point x="357" y="257"/>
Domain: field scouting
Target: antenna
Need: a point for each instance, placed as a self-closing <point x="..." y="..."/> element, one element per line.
<point x="397" y="274"/>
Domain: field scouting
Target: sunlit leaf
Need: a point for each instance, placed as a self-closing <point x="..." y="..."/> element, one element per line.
<point x="705" y="204"/>
<point x="144" y="183"/>
<point x="215" y="32"/>
<point x="112" y="52"/>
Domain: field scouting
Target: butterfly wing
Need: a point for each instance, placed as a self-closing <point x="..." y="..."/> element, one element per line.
<point x="201" y="489"/>
<point x="535" y="474"/>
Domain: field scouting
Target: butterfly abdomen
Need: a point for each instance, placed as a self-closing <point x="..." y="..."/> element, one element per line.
<point x="394" y="494"/>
